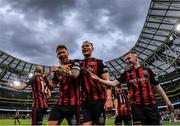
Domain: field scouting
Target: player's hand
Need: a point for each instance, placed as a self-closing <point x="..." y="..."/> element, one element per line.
<point x="170" y="107"/>
<point x="92" y="75"/>
<point x="116" y="113"/>
<point x="48" y="94"/>
<point x="54" y="68"/>
<point x="66" y="72"/>
<point x="46" y="74"/>
<point x="65" y="68"/>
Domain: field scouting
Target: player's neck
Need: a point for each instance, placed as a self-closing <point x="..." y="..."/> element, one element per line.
<point x="87" y="56"/>
<point x="135" y="66"/>
<point x="64" y="63"/>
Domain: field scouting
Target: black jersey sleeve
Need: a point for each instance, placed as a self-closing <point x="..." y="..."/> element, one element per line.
<point x="153" y="79"/>
<point x="122" y="78"/>
<point x="54" y="76"/>
<point x="103" y="67"/>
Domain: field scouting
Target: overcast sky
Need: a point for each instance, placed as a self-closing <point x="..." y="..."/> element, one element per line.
<point x="31" y="29"/>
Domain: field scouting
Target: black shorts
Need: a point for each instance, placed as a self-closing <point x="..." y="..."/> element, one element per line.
<point x="68" y="112"/>
<point x="145" y="114"/>
<point x="37" y="115"/>
<point x="17" y="117"/>
<point x="126" y="119"/>
<point x="93" y="111"/>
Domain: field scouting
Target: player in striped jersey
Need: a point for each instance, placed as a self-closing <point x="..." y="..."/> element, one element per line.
<point x="67" y="103"/>
<point x="95" y="95"/>
<point x="40" y="94"/>
<point x="16" y="117"/>
<point x="140" y="81"/>
<point x="122" y="106"/>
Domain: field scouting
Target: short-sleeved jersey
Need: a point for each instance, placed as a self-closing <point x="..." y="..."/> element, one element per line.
<point x="17" y="113"/>
<point x="92" y="90"/>
<point x="39" y="91"/>
<point x="139" y="82"/>
<point x="69" y="90"/>
<point x="123" y="102"/>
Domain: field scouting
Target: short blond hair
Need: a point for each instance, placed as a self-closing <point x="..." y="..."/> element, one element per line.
<point x="38" y="69"/>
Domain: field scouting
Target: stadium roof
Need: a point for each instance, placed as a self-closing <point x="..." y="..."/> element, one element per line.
<point x="12" y="68"/>
<point x="158" y="45"/>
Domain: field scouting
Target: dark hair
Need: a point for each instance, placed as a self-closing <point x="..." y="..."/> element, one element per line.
<point x="89" y="43"/>
<point x="61" y="47"/>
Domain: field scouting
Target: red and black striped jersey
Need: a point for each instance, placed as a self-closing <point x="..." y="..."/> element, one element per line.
<point x="92" y="90"/>
<point x="123" y="102"/>
<point x="140" y="82"/>
<point x="39" y="91"/>
<point x="69" y="90"/>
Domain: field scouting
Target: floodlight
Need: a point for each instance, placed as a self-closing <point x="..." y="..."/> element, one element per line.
<point x="171" y="38"/>
<point x="178" y="28"/>
<point x="16" y="83"/>
<point x="30" y="75"/>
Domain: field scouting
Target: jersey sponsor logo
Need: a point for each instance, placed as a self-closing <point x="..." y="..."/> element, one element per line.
<point x="92" y="63"/>
<point x="138" y="80"/>
<point x="146" y="73"/>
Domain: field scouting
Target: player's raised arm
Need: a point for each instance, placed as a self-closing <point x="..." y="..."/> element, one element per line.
<point x="164" y="97"/>
<point x="51" y="78"/>
<point x="75" y="71"/>
<point x="106" y="82"/>
<point x="16" y="85"/>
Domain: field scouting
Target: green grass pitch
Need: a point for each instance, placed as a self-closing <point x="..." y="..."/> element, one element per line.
<point x="28" y="122"/>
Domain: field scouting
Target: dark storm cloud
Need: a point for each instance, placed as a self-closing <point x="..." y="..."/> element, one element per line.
<point x="36" y="45"/>
<point x="105" y="17"/>
<point x="33" y="28"/>
<point x="24" y="40"/>
<point x="53" y="10"/>
<point x="122" y="14"/>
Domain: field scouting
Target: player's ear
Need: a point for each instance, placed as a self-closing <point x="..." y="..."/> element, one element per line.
<point x="135" y="55"/>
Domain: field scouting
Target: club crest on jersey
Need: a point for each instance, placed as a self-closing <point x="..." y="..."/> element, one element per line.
<point x="93" y="63"/>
